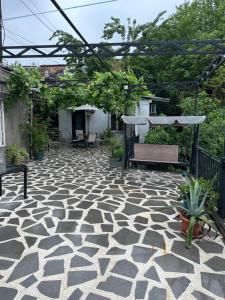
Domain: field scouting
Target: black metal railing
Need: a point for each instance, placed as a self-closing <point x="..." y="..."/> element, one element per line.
<point x="209" y="167"/>
<point x="129" y="148"/>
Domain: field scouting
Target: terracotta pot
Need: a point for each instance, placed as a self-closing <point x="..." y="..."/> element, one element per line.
<point x="197" y="231"/>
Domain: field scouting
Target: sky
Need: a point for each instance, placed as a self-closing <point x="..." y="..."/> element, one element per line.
<point x="89" y="20"/>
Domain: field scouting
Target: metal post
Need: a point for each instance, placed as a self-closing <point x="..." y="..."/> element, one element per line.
<point x="126" y="88"/>
<point x="1" y="27"/>
<point x="221" y="204"/>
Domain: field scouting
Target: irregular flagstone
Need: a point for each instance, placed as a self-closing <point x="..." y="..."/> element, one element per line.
<point x="107" y="207"/>
<point x="37" y="229"/>
<point x="216" y="263"/>
<point x="31" y="240"/>
<point x="8" y="232"/>
<point x="125" y="268"/>
<point x="87" y="228"/>
<point x="78" y="277"/>
<point x="98" y="239"/>
<point x="59" y="213"/>
<point x="154" y="239"/>
<point x="62" y="250"/>
<point x="76" y="239"/>
<point x="192" y="254"/>
<point x="103" y="264"/>
<point x="9" y="205"/>
<point x="28" y="265"/>
<point x="209" y="246"/>
<point x="172" y="263"/>
<point x="66" y="227"/>
<point x="152" y="274"/>
<point x="27" y="297"/>
<point x="159" y="218"/>
<point x="50" y="288"/>
<point x="5" y="264"/>
<point x="116" y="251"/>
<point x="157" y="293"/>
<point x="131" y="209"/>
<point x="140" y="290"/>
<point x="78" y="261"/>
<point x="90" y="251"/>
<point x="94" y="216"/>
<point x="11" y="249"/>
<point x="118" y="286"/>
<point x="76" y="295"/>
<point x="93" y="296"/>
<point x="214" y="283"/>
<point x="54" y="267"/>
<point x="178" y="285"/>
<point x="142" y="254"/>
<point x="126" y="237"/>
<point x="49" y="242"/>
<point x="7" y="293"/>
<point x="29" y="281"/>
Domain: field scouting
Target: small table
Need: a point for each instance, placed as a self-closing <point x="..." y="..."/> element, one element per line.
<point x="9" y="169"/>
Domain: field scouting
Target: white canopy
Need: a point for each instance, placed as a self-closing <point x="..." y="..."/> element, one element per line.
<point x="86" y="107"/>
<point x="164" y="120"/>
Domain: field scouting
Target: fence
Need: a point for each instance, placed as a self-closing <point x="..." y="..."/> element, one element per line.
<point x="209" y="167"/>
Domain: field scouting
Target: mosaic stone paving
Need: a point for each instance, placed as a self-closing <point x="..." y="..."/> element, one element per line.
<point x="87" y="233"/>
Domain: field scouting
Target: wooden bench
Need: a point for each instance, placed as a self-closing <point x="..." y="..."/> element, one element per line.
<point x="154" y="153"/>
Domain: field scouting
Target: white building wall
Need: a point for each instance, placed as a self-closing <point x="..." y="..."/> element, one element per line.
<point x="142" y="110"/>
<point x="65" y="125"/>
<point x="98" y="122"/>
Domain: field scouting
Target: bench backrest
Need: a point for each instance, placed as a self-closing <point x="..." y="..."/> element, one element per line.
<point x="155" y="152"/>
<point x="92" y="137"/>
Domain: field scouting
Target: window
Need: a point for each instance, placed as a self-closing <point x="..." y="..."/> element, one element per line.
<point x="2" y="125"/>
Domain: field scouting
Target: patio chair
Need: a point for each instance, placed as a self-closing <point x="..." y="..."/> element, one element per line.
<point x="79" y="138"/>
<point x="91" y="140"/>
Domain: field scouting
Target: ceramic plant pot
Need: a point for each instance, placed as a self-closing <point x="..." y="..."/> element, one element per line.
<point x="39" y="156"/>
<point x="197" y="231"/>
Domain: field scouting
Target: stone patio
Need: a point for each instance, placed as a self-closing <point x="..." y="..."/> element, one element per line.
<point x="87" y="233"/>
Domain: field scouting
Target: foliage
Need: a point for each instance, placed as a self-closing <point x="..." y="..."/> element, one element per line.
<point x="194" y="208"/>
<point x="106" y="136"/>
<point x="23" y="82"/>
<point x="107" y="92"/>
<point x="15" y="155"/>
<point x="157" y="135"/>
<point x="72" y="94"/>
<point x="212" y="196"/>
<point x="37" y="136"/>
<point x="84" y="67"/>
<point x="115" y="148"/>
<point x="212" y="131"/>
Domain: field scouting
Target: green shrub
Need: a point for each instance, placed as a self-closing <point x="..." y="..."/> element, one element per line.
<point x="212" y="196"/>
<point x="158" y="135"/>
<point x="15" y="155"/>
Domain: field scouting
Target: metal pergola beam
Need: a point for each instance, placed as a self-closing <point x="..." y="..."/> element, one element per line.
<point x="104" y="50"/>
<point x="216" y="63"/>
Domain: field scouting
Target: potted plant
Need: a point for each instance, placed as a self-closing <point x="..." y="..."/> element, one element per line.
<point x="39" y="141"/>
<point x="37" y="137"/>
<point x="15" y="155"/>
<point x="194" y="214"/>
<point x="115" y="152"/>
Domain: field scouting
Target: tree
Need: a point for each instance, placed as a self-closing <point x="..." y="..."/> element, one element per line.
<point x="107" y="92"/>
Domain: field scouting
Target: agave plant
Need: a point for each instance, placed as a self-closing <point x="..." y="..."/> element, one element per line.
<point x="193" y="206"/>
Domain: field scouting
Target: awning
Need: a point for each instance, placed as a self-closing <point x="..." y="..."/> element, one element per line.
<point x="176" y="120"/>
<point x="85" y="107"/>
